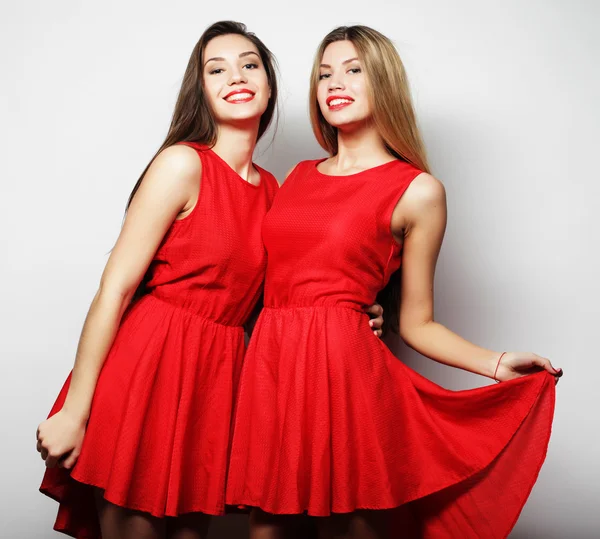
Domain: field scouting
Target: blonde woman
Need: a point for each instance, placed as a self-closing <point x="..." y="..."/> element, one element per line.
<point x="328" y="421"/>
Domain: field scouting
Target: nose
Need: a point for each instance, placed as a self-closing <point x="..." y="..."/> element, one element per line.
<point x="335" y="84"/>
<point x="237" y="77"/>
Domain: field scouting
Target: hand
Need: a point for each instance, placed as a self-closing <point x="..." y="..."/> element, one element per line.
<point x="59" y="440"/>
<point x="376" y="323"/>
<point x="518" y="364"/>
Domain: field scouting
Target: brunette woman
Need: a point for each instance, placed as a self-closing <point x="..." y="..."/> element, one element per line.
<point x="136" y="444"/>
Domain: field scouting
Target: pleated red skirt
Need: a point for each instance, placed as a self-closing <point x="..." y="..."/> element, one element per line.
<point x="329" y="421"/>
<point x="158" y="436"/>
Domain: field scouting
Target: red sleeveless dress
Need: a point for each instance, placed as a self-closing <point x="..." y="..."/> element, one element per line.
<point x="329" y="421"/>
<point x="158" y="435"/>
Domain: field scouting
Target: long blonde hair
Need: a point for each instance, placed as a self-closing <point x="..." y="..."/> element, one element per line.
<point x="393" y="115"/>
<point x="393" y="111"/>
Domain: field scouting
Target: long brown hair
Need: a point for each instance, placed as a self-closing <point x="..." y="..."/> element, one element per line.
<point x="193" y="119"/>
<point x="393" y="116"/>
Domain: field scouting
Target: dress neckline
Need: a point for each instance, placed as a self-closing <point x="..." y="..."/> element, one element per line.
<point x="256" y="167"/>
<point x="372" y="169"/>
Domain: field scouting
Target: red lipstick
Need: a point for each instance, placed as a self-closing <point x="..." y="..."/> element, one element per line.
<point x="240" y="91"/>
<point x="347" y="101"/>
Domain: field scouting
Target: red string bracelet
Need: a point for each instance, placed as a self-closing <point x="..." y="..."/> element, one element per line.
<point x="497" y="365"/>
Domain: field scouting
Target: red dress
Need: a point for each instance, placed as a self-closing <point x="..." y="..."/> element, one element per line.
<point x="160" y="423"/>
<point x="328" y="420"/>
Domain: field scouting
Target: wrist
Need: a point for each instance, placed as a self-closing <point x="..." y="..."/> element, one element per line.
<point x="498" y="367"/>
<point x="76" y="413"/>
<point x="491" y="365"/>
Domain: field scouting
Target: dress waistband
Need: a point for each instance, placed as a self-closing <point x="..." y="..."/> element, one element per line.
<point x="190" y="312"/>
<point x="321" y="307"/>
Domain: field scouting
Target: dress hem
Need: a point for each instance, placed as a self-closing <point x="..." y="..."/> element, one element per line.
<point x="245" y="502"/>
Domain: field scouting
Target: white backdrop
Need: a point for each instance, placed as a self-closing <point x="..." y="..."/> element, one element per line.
<point x="506" y="94"/>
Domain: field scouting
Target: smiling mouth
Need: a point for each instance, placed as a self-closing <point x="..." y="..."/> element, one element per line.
<point x="337" y="103"/>
<point x="239" y="97"/>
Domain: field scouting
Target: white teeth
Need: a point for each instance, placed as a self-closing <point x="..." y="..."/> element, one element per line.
<point x="335" y="102"/>
<point x="239" y="97"/>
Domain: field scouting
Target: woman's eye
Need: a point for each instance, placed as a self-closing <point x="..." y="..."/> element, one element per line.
<point x="216" y="71"/>
<point x="251" y="66"/>
<point x="355" y="70"/>
<point x="324" y="76"/>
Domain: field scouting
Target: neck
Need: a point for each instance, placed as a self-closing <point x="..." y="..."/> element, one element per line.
<point x="360" y="147"/>
<point x="235" y="145"/>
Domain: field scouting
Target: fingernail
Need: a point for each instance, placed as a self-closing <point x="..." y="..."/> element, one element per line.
<point x="371" y="323"/>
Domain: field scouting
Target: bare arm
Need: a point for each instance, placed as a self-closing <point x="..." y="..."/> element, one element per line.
<point x="170" y="188"/>
<point x="419" y="221"/>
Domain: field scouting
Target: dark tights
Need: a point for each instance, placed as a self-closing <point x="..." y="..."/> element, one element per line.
<point x="356" y="525"/>
<point x="120" y="523"/>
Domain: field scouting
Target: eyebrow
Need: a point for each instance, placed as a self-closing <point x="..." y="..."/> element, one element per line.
<point x="220" y="59"/>
<point x="343" y="63"/>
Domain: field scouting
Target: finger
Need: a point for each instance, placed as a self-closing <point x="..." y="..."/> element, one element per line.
<point x="69" y="462"/>
<point x="38" y="446"/>
<point x="550" y="368"/>
<point x="378" y="322"/>
<point x="545" y="364"/>
<point x="51" y="461"/>
<point x="376" y="309"/>
<point x="378" y="332"/>
<point x="44" y="453"/>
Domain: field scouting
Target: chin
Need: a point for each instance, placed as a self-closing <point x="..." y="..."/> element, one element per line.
<point x="344" y="123"/>
<point x="241" y="116"/>
<point x="243" y="112"/>
<point x="343" y="117"/>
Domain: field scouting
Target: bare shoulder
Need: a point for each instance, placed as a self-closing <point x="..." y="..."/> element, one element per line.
<point x="174" y="175"/>
<point x="424" y="192"/>
<point x="423" y="203"/>
<point x="178" y="162"/>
